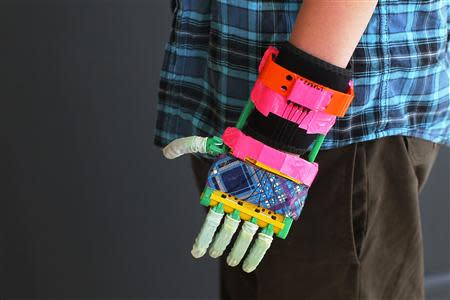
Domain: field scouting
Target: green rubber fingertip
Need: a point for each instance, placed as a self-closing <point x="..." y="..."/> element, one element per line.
<point x="282" y="234"/>
<point x="205" y="198"/>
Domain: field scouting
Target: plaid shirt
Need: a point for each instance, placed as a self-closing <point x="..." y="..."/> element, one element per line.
<point x="401" y="69"/>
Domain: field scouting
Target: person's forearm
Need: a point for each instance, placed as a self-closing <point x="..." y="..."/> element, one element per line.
<point x="331" y="29"/>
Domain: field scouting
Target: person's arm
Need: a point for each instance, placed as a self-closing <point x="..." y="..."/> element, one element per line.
<point x="331" y="29"/>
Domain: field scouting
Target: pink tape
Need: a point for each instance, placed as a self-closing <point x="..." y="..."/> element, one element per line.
<point x="313" y="121"/>
<point x="243" y="147"/>
<point x="309" y="96"/>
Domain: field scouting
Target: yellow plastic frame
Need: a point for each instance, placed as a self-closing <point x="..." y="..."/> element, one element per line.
<point x="248" y="210"/>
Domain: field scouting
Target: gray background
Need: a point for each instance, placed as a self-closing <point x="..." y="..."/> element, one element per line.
<point x="88" y="205"/>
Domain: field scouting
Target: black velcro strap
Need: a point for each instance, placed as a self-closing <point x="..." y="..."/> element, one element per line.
<point x="313" y="68"/>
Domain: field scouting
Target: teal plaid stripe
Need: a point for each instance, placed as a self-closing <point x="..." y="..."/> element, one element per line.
<point x="401" y="69"/>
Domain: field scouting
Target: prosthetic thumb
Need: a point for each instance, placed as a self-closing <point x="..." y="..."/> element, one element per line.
<point x="190" y="144"/>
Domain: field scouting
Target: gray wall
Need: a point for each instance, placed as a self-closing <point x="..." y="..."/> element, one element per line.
<point x="88" y="205"/>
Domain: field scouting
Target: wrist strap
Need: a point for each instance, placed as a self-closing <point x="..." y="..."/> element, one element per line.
<point x="301" y="90"/>
<point x="291" y="109"/>
<point x="314" y="68"/>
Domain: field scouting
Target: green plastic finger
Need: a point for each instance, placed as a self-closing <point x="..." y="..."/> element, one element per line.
<point x="206" y="233"/>
<point x="242" y="242"/>
<point x="257" y="252"/>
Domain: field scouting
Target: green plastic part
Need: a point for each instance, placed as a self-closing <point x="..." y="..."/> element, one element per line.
<point x="215" y="146"/>
<point x="205" y="198"/>
<point x="287" y="225"/>
<point x="268" y="230"/>
<point x="253" y="220"/>
<point x="316" y="147"/>
<point x="248" y="108"/>
<point x="218" y="208"/>
<point x="235" y="214"/>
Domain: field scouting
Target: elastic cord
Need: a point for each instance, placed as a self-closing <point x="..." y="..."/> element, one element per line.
<point x="278" y="133"/>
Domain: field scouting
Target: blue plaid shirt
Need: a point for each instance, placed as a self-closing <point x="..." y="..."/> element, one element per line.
<point x="401" y="69"/>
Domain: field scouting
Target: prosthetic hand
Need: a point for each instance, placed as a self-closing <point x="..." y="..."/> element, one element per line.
<point x="259" y="178"/>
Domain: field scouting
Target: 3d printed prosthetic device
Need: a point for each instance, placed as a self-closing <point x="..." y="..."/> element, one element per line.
<point x="257" y="184"/>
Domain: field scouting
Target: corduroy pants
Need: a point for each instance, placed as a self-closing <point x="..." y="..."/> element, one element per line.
<point x="359" y="234"/>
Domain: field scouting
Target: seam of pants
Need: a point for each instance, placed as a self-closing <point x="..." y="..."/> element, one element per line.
<point x="352" y="170"/>
<point x="366" y="219"/>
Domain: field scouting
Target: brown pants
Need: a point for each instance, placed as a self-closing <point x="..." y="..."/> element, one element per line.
<point x="359" y="235"/>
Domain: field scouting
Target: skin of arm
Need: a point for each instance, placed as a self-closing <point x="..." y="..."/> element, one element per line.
<point x="331" y="29"/>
